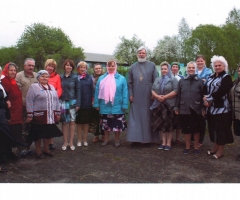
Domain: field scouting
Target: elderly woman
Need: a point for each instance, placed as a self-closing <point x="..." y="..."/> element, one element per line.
<point x="111" y="99"/>
<point x="15" y="97"/>
<point x="203" y="73"/>
<point x="68" y="103"/>
<point x="97" y="72"/>
<point x="235" y="102"/>
<point x="43" y="111"/>
<point x="164" y="90"/>
<point x="6" y="138"/>
<point x="189" y="106"/>
<point x="84" y="113"/>
<point x="55" y="80"/>
<point x="216" y="100"/>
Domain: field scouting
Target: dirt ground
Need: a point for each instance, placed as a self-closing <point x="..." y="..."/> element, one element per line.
<point x="96" y="164"/>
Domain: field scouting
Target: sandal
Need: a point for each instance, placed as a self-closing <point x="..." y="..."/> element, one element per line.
<point x="3" y="169"/>
<point x="215" y="156"/>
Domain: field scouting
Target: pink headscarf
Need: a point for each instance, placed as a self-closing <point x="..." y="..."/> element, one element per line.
<point x="107" y="87"/>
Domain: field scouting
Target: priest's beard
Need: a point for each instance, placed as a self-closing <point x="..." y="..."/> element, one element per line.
<point x="142" y="59"/>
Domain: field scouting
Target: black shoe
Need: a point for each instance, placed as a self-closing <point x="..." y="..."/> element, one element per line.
<point x="51" y="147"/>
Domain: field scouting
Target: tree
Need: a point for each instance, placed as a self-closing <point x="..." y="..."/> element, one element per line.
<point x="9" y="54"/>
<point x="209" y="40"/>
<point x="234" y="17"/>
<point x="41" y="42"/>
<point x="126" y="49"/>
<point x="184" y="32"/>
<point x="167" y="49"/>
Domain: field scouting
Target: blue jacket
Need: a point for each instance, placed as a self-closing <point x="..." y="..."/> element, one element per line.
<point x="70" y="88"/>
<point x="206" y="72"/>
<point x="86" y="85"/>
<point x="120" y="100"/>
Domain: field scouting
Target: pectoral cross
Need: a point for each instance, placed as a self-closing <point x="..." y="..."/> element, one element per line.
<point x="140" y="78"/>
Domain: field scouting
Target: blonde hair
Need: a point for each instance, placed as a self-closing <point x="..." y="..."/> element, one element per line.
<point x="82" y="63"/>
<point x="52" y="62"/>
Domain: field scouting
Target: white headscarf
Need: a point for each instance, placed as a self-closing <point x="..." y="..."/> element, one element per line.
<point x="1" y="87"/>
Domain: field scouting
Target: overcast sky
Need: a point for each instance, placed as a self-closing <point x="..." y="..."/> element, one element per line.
<point x="96" y="25"/>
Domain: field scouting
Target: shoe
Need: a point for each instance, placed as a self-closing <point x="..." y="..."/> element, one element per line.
<point x="186" y="151"/>
<point x="23" y="153"/>
<point x="40" y="156"/>
<point x="104" y="143"/>
<point x="79" y="144"/>
<point x="3" y="169"/>
<point x="72" y="147"/>
<point x="117" y="144"/>
<point x="210" y="153"/>
<point x="30" y="152"/>
<point x="196" y="151"/>
<point x="167" y="148"/>
<point x="52" y="147"/>
<point x="215" y="156"/>
<point x="161" y="147"/>
<point x="50" y="154"/>
<point x="95" y="139"/>
<point x="85" y="144"/>
<point x="64" y="148"/>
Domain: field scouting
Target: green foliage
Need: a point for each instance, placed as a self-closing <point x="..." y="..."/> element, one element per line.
<point x="126" y="51"/>
<point x="123" y="70"/>
<point x="41" y="42"/>
<point x="9" y="54"/>
<point x="234" y="17"/>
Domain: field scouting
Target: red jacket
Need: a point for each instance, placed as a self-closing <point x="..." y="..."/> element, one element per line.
<point x="15" y="97"/>
<point x="55" y="81"/>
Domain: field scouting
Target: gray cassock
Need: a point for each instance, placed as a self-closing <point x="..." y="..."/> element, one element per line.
<point x="139" y="122"/>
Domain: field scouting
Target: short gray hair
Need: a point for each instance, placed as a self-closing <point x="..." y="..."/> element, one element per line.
<point x="141" y="48"/>
<point x="27" y="59"/>
<point x="192" y="62"/>
<point x="220" y="59"/>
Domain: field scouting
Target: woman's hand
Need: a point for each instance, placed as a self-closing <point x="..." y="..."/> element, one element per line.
<point x="204" y="98"/>
<point x="8" y="104"/>
<point x="28" y="120"/>
<point x="160" y="98"/>
<point x="131" y="98"/>
<point x="77" y="108"/>
<point x="97" y="108"/>
<point x="203" y="113"/>
<point x="207" y="104"/>
<point x="176" y="112"/>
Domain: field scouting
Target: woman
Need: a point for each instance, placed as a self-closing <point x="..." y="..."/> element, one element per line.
<point x="97" y="72"/>
<point x="235" y="102"/>
<point x="216" y="100"/>
<point x="189" y="106"/>
<point x="15" y="97"/>
<point x="43" y="111"/>
<point x="69" y="103"/>
<point x="111" y="99"/>
<point x="84" y="113"/>
<point x="203" y="73"/>
<point x="164" y="90"/>
<point x="55" y="81"/>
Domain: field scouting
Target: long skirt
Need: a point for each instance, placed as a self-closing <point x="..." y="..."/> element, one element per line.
<point x="219" y="127"/>
<point x="162" y="118"/>
<point x="95" y="126"/>
<point x="44" y="131"/>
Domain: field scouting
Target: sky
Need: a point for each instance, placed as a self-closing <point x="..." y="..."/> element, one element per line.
<point x="97" y="25"/>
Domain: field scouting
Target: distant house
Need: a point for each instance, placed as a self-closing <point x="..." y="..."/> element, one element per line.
<point x="93" y="58"/>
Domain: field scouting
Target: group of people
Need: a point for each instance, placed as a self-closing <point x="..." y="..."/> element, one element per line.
<point x="31" y="104"/>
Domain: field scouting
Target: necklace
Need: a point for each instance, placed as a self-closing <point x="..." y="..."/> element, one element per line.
<point x="140" y="72"/>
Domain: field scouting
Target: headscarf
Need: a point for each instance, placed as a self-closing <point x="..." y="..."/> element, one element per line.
<point x="107" y="87"/>
<point x="5" y="72"/>
<point x="41" y="72"/>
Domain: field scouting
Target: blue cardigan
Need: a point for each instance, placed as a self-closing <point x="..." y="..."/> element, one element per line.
<point x="206" y="72"/>
<point x="120" y="99"/>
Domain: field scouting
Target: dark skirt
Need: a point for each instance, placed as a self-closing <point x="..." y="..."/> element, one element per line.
<point x="43" y="131"/>
<point x="116" y="122"/>
<point x="219" y="127"/>
<point x="190" y="123"/>
<point x="95" y="126"/>
<point x="162" y="118"/>
<point x="7" y="140"/>
<point x="16" y="130"/>
<point x="84" y="116"/>
<point x="236" y="127"/>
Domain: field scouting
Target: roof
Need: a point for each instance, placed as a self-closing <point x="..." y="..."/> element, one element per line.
<point x="96" y="57"/>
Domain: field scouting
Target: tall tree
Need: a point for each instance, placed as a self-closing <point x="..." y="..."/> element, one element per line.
<point x="234" y="17"/>
<point x="184" y="32"/>
<point x="127" y="48"/>
<point x="41" y="42"/>
<point x="9" y="54"/>
<point x="167" y="49"/>
<point x="209" y="40"/>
